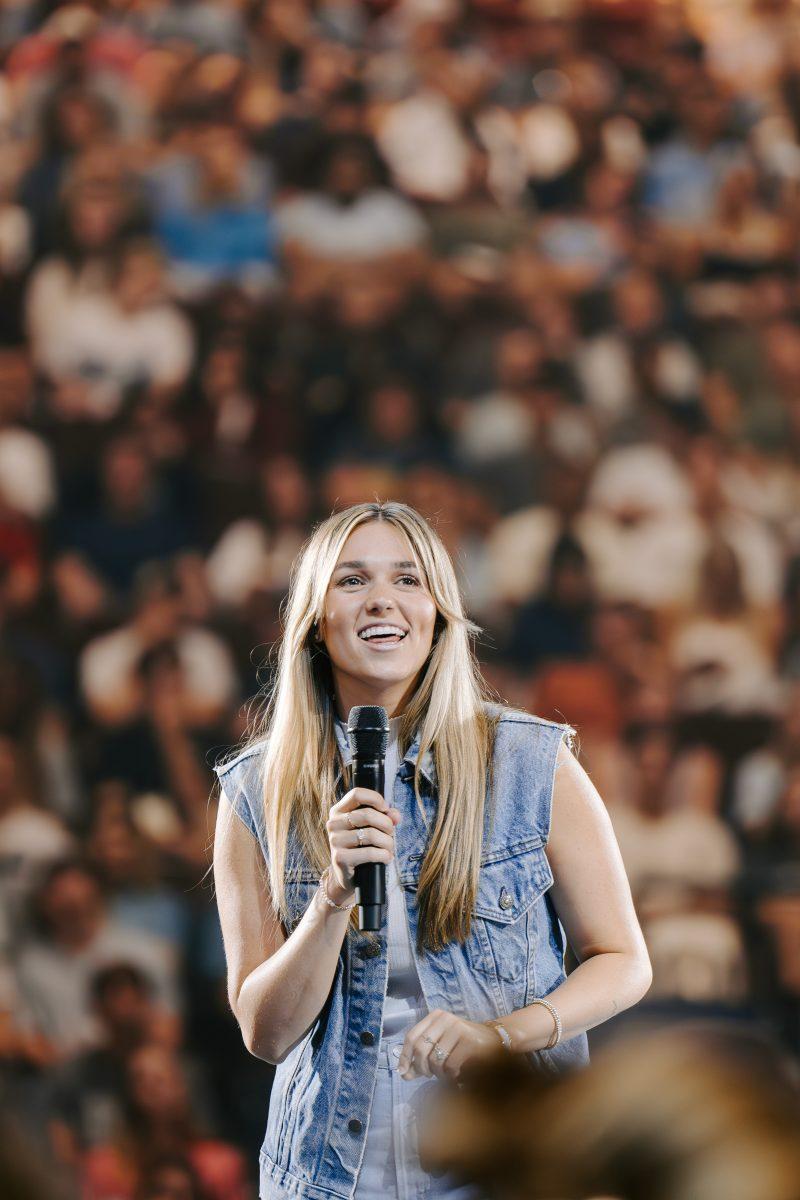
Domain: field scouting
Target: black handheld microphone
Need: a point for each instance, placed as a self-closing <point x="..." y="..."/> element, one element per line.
<point x="368" y="734"/>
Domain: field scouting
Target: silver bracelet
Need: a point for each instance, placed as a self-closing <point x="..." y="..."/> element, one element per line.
<point x="505" y="1036"/>
<point x="323" y="887"/>
<point x="556" y="1038"/>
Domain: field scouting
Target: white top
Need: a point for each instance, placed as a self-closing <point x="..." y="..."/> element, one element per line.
<point x="53" y="983"/>
<point x="405" y="1004"/>
<point x="378" y="222"/>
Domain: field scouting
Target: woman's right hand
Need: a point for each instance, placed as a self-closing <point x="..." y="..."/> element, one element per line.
<point x="363" y="809"/>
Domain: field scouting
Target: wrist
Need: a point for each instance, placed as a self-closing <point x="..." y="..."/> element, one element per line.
<point x="550" y="1013"/>
<point x="339" y="895"/>
<point x="503" y="1034"/>
<point x="336" y="896"/>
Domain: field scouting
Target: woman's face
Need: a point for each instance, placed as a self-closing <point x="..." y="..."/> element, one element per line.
<point x="377" y="590"/>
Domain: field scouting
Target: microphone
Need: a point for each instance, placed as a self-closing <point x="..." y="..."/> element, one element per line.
<point x="368" y="734"/>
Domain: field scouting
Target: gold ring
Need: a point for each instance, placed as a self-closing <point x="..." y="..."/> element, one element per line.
<point x="360" y="836"/>
<point x="349" y="822"/>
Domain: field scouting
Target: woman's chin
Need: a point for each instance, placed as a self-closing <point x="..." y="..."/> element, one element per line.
<point x="384" y="672"/>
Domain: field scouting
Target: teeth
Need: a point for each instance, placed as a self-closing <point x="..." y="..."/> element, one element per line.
<point x="376" y="630"/>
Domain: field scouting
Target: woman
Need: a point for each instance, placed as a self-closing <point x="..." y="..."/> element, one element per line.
<point x="362" y="1026"/>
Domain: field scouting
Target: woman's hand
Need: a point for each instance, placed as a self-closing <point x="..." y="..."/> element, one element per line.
<point x="363" y="809"/>
<point x="465" y="1041"/>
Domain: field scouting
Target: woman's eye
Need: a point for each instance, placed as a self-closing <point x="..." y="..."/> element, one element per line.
<point x="348" y="579"/>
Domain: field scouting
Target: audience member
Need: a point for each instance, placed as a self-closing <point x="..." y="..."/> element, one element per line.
<point x="76" y="936"/>
<point x="159" y="1123"/>
<point x="680" y="859"/>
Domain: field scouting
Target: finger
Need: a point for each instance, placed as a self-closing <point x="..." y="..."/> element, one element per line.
<point x="451" y="1067"/>
<point x="416" y="1050"/>
<point x="407" y="1063"/>
<point x="359" y="818"/>
<point x="420" y="1062"/>
<point x="360" y="835"/>
<point x="444" y="1038"/>
<point x="368" y="854"/>
<point x="348" y="839"/>
<point x="445" y="1035"/>
<point x="448" y="1067"/>
<point x="357" y="797"/>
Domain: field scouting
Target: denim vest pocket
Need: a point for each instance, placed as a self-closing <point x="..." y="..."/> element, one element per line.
<point x="503" y="941"/>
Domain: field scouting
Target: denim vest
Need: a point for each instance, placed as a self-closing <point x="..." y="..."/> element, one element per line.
<point x="322" y="1091"/>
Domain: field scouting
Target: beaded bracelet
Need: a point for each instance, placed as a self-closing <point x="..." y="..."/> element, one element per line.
<point x="323" y="888"/>
<point x="556" y="1038"/>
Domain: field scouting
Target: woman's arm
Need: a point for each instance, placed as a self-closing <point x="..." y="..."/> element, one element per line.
<point x="276" y="986"/>
<point x="593" y="901"/>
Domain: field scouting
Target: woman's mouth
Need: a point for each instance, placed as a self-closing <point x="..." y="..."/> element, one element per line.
<point x="382" y="637"/>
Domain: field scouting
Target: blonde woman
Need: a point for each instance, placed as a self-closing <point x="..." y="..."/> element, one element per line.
<point x="495" y="842"/>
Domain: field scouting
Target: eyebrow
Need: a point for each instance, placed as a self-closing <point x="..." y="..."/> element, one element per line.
<point x="358" y="564"/>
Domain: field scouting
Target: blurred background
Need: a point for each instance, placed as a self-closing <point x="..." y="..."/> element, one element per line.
<point x="531" y="266"/>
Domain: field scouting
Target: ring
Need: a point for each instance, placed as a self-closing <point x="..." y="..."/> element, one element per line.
<point x="360" y="836"/>
<point x="438" y="1053"/>
<point x="349" y="822"/>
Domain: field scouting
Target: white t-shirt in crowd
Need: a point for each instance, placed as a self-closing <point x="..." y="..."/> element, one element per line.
<point x="378" y="222"/>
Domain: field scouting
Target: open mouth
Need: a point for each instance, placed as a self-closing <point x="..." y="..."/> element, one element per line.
<point x="382" y="635"/>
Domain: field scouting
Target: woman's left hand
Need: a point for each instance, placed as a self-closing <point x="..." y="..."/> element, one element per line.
<point x="462" y="1040"/>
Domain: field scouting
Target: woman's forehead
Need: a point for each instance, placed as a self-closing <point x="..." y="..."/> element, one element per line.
<point x="377" y="543"/>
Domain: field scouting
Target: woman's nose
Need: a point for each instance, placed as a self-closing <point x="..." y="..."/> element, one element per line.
<point x="377" y="602"/>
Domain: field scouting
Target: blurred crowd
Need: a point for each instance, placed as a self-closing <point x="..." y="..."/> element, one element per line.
<point x="531" y="266"/>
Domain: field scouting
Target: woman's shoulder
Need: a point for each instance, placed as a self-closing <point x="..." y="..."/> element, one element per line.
<point x="240" y="778"/>
<point x="517" y="719"/>
<point x="239" y="762"/>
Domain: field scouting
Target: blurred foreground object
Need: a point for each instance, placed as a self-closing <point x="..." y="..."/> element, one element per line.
<point x="698" y="1113"/>
<point x="22" y="1173"/>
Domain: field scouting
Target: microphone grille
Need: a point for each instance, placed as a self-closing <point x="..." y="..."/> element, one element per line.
<point x="367" y="716"/>
<point x="368" y="729"/>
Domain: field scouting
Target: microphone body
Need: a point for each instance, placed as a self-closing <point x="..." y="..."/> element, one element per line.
<point x="368" y="733"/>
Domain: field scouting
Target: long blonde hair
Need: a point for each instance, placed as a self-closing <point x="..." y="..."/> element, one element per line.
<point x="301" y="758"/>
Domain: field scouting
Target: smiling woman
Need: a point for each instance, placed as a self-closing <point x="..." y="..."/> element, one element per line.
<point x="379" y="620"/>
<point x="496" y="844"/>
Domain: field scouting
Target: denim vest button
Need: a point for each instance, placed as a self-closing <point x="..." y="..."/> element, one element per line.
<point x="367" y="1038"/>
<point x="369" y="951"/>
<point x="354" y="1125"/>
<point x="505" y="900"/>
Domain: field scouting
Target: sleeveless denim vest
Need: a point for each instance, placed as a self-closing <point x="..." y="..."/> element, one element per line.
<point x="322" y="1091"/>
